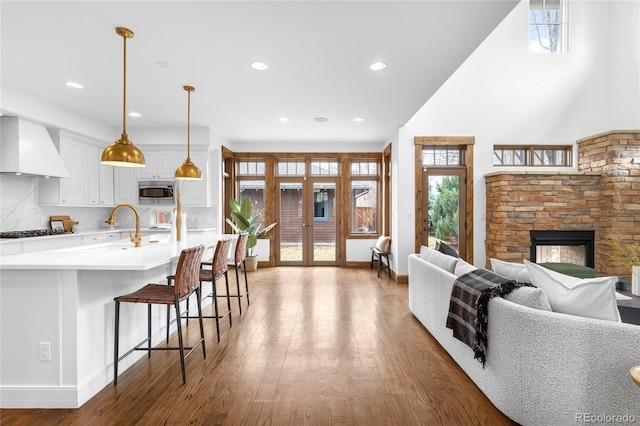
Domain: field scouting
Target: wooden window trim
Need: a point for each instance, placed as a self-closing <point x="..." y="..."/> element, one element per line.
<point x="467" y="142"/>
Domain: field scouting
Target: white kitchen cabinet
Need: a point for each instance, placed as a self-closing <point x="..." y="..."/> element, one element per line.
<point x="197" y="193"/>
<point x="89" y="183"/>
<point x="125" y="186"/>
<point x="160" y="165"/>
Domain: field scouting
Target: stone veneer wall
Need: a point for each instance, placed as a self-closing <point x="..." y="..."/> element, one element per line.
<point x="603" y="195"/>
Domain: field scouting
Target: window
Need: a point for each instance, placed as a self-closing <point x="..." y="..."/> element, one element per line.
<point x="321" y="206"/>
<point x="547" y="26"/>
<point x="291" y="168"/>
<point x="532" y="155"/>
<point x="324" y="168"/>
<point x="364" y="196"/>
<point x="251" y="168"/>
<point x="441" y="156"/>
<point x="251" y="184"/>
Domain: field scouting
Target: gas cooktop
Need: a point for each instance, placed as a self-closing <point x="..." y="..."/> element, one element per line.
<point x="30" y="233"/>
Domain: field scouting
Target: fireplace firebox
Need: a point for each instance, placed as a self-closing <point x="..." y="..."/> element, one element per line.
<point x="576" y="247"/>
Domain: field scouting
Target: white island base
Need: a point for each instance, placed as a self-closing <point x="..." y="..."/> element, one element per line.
<point x="57" y="318"/>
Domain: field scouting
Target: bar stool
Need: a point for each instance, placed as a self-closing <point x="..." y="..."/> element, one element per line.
<point x="186" y="283"/>
<point x="238" y="259"/>
<point x="218" y="267"/>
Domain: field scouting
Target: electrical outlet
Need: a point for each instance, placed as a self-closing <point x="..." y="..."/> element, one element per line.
<point x="43" y="220"/>
<point x="45" y="351"/>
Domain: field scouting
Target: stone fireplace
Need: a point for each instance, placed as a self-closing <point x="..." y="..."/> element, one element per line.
<point x="602" y="197"/>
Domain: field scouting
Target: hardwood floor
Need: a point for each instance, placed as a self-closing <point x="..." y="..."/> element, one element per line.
<point x="316" y="346"/>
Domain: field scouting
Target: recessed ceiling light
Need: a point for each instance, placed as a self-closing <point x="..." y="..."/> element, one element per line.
<point x="358" y="119"/>
<point x="283" y="119"/>
<point x="321" y="119"/>
<point x="134" y="114"/>
<point x="161" y="64"/>
<point x="377" y="66"/>
<point x="74" y="84"/>
<point x="260" y="66"/>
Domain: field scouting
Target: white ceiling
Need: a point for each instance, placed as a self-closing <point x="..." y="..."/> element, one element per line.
<point x="318" y="55"/>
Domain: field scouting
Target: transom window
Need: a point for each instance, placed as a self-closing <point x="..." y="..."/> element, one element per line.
<point x="251" y="168"/>
<point x="532" y="155"/>
<point x="291" y="168"/>
<point x="325" y="168"/>
<point x="547" y="26"/>
<point x="442" y="156"/>
<point x="367" y="168"/>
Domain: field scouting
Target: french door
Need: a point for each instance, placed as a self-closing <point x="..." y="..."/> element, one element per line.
<point x="308" y="215"/>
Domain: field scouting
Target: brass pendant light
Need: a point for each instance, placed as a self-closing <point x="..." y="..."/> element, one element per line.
<point x="188" y="170"/>
<point x="122" y="152"/>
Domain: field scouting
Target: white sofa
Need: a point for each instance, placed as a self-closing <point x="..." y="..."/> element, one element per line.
<point x="543" y="368"/>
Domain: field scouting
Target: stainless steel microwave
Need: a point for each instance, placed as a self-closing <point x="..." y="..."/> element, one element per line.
<point x="154" y="192"/>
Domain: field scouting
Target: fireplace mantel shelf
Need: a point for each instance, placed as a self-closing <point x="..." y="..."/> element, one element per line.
<point x="542" y="173"/>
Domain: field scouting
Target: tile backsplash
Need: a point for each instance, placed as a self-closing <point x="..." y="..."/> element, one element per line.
<point x="20" y="210"/>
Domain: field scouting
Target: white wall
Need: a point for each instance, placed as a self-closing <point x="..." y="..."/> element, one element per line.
<point x="504" y="95"/>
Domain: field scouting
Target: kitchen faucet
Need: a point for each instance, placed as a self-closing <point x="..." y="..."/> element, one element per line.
<point x="135" y="239"/>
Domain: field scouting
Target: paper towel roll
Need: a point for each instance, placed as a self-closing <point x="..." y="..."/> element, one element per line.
<point x="183" y="227"/>
<point x="174" y="232"/>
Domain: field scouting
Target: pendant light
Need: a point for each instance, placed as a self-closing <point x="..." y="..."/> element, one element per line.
<point x="123" y="153"/>
<point x="188" y="170"/>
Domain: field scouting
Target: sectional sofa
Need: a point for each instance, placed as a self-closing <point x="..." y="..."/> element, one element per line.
<point x="542" y="367"/>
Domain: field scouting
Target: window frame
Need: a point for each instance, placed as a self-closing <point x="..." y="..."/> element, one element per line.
<point x="529" y="155"/>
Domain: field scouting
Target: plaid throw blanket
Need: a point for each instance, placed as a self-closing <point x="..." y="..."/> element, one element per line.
<point x="468" y="307"/>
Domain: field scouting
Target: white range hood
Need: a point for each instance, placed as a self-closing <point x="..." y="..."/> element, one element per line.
<point x="26" y="149"/>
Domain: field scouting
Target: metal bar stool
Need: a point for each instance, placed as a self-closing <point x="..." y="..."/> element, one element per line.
<point x="186" y="283"/>
<point x="237" y="260"/>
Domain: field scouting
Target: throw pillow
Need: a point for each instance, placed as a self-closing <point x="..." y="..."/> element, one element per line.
<point x="531" y="297"/>
<point x="443" y="248"/>
<point x="511" y="270"/>
<point x="462" y="267"/>
<point x="587" y="297"/>
<point x="383" y="243"/>
<point x="443" y="261"/>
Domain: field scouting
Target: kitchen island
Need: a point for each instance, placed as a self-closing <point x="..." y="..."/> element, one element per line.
<point x="56" y="313"/>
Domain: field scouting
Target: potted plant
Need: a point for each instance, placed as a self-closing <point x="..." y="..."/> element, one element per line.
<point x="629" y="255"/>
<point x="245" y="221"/>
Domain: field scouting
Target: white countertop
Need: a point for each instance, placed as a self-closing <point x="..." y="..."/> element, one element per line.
<point x="121" y="255"/>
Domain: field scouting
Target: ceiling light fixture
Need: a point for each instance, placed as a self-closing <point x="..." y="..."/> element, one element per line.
<point x="358" y="119"/>
<point x="74" y="84"/>
<point x="134" y="114"/>
<point x="321" y="119"/>
<point x="188" y="170"/>
<point x="283" y="119"/>
<point x="260" y="66"/>
<point x="123" y="153"/>
<point x="377" y="66"/>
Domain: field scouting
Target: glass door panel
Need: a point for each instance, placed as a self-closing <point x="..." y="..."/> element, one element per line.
<point x="445" y="209"/>
<point x="291" y="223"/>
<point x="324" y="222"/>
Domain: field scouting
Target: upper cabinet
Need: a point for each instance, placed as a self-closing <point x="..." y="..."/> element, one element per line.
<point x="160" y="165"/>
<point x="92" y="184"/>
<point x="89" y="183"/>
